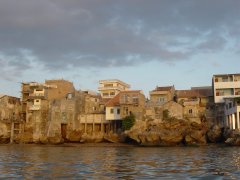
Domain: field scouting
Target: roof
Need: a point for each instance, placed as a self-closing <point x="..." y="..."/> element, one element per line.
<point x="216" y="75"/>
<point x="115" y="101"/>
<point x="194" y="93"/>
<point x="2" y="95"/>
<point x="164" y="88"/>
<point x="114" y="80"/>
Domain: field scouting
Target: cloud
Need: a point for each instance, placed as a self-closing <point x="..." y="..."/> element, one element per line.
<point x="81" y="33"/>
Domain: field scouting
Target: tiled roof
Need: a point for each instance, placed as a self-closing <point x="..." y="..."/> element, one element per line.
<point x="194" y="93"/>
<point x="115" y="101"/>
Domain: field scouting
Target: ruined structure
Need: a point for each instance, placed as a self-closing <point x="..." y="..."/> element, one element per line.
<point x="10" y="121"/>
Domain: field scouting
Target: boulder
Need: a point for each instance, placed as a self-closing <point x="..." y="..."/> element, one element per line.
<point x="214" y="134"/>
<point x="4" y="139"/>
<point x="74" y="136"/>
<point x="24" y="138"/>
<point x="112" y="137"/>
<point x="94" y="138"/>
<point x="56" y="139"/>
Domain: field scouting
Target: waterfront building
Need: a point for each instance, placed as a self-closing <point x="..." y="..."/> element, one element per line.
<point x="225" y="86"/>
<point x="124" y="104"/>
<point x="198" y="104"/>
<point x="232" y="112"/>
<point x="110" y="88"/>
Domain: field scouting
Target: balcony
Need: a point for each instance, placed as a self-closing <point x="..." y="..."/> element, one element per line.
<point x="37" y="95"/>
<point x="34" y="107"/>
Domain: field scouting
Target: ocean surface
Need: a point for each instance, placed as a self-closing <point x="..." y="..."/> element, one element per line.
<point x="128" y="162"/>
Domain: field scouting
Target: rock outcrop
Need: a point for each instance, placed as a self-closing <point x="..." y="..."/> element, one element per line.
<point x="168" y="133"/>
<point x="94" y="138"/>
<point x="74" y="136"/>
<point x="215" y="134"/>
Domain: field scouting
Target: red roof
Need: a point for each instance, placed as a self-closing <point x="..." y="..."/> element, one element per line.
<point x="115" y="101"/>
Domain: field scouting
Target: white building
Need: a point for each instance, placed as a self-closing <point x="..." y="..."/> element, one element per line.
<point x="232" y="113"/>
<point x="110" y="88"/>
<point x="225" y="86"/>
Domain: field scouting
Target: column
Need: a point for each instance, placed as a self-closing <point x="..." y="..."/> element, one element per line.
<point x="12" y="132"/>
<point x="93" y="124"/>
<point x="230" y="121"/>
<point x="237" y="118"/>
<point x="85" y="128"/>
<point x="233" y="121"/>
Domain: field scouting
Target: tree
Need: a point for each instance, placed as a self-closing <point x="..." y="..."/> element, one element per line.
<point x="128" y="122"/>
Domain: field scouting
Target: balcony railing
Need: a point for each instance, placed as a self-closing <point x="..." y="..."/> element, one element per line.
<point x="34" y="107"/>
<point x="37" y="95"/>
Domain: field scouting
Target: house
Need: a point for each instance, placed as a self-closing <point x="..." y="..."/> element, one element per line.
<point x="197" y="102"/>
<point x="124" y="104"/>
<point x="161" y="95"/>
<point x="110" y="88"/>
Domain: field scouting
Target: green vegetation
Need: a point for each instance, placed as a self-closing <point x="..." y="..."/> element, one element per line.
<point x="128" y="122"/>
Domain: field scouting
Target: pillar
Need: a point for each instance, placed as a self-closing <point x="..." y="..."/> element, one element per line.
<point x="12" y="132"/>
<point x="230" y="121"/>
<point x="233" y="121"/>
<point x="85" y="125"/>
<point x="93" y="123"/>
<point x="102" y="125"/>
<point x="237" y="119"/>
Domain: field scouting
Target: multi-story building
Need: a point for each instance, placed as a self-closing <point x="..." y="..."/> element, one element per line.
<point x="110" y="88"/>
<point x="225" y="86"/>
<point x="124" y="104"/>
<point x="197" y="103"/>
<point x="232" y="113"/>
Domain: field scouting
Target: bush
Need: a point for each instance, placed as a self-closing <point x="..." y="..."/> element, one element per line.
<point x="128" y="122"/>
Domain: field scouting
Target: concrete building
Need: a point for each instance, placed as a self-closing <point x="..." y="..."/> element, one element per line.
<point x="161" y="95"/>
<point x="224" y="86"/>
<point x="232" y="113"/>
<point x="110" y="88"/>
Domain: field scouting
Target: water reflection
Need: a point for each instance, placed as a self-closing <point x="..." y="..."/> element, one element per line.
<point x="50" y="162"/>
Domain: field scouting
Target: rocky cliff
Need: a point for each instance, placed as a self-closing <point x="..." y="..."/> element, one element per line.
<point x="173" y="132"/>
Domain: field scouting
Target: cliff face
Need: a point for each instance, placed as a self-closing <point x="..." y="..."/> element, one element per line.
<point x="171" y="132"/>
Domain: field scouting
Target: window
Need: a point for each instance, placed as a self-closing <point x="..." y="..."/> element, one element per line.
<point x="111" y="110"/>
<point x="105" y="94"/>
<point x="161" y="99"/>
<point x="135" y="99"/>
<point x="118" y="111"/>
<point x="112" y="93"/>
<point x="37" y="100"/>
<point x="126" y="110"/>
<point x="108" y="85"/>
<point x="190" y="111"/>
<point x="230" y="105"/>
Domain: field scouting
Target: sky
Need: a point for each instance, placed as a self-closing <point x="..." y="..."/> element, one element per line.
<point x="145" y="43"/>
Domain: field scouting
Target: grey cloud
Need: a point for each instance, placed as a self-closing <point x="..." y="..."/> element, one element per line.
<point x="63" y="34"/>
